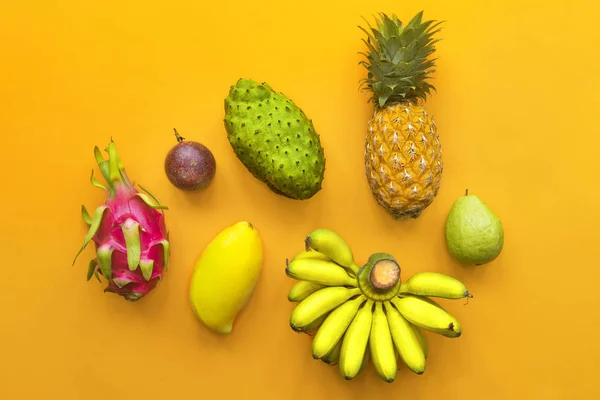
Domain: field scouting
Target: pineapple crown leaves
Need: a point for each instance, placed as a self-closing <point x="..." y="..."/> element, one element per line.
<point x="398" y="59"/>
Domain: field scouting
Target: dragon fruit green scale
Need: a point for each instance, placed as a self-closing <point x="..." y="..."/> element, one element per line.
<point x="274" y="139"/>
<point x="129" y="233"/>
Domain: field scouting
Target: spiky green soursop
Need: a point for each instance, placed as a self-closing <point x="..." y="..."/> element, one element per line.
<point x="274" y="139"/>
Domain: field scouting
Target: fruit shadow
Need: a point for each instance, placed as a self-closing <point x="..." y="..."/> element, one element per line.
<point x="277" y="211"/>
<point x="212" y="343"/>
<point x="387" y="220"/>
<point x="366" y="381"/>
<point x="196" y="197"/>
<point x="472" y="273"/>
<point x="257" y="201"/>
<point x="145" y="314"/>
<point x="395" y="231"/>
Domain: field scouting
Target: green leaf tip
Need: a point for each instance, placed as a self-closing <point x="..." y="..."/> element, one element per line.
<point x="121" y="282"/>
<point x="150" y="202"/>
<point x="86" y="216"/>
<point x="131" y="232"/>
<point x="114" y="169"/>
<point x="166" y="252"/>
<point x="135" y="296"/>
<point x="95" y="224"/>
<point x="105" y="260"/>
<point x="113" y="162"/>
<point x="98" y="155"/>
<point x="146" y="267"/>
<point x="102" y="163"/>
<point x="153" y="196"/>
<point x="96" y="183"/>
<point x="91" y="268"/>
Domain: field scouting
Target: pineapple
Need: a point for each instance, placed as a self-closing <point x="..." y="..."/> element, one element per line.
<point x="403" y="154"/>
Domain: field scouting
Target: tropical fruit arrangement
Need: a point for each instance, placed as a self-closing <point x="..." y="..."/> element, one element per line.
<point x="355" y="312"/>
<point x="359" y="313"/>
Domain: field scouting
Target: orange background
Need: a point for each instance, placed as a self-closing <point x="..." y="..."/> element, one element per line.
<point x="517" y="107"/>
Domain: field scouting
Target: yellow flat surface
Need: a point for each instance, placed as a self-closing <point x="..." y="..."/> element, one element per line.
<point x="516" y="107"/>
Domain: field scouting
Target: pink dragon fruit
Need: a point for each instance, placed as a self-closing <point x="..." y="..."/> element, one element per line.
<point x="129" y="231"/>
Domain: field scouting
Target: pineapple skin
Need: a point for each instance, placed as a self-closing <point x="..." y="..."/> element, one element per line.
<point x="403" y="159"/>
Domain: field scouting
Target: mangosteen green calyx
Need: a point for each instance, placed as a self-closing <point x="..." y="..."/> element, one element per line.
<point x="189" y="165"/>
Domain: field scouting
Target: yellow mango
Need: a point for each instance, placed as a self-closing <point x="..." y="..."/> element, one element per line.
<point x="225" y="276"/>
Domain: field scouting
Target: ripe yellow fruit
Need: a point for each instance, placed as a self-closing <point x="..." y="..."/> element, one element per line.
<point x="403" y="154"/>
<point x="225" y="276"/>
<point x="403" y="159"/>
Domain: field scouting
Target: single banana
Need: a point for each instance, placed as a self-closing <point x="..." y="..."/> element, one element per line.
<point x="333" y="356"/>
<point x="313" y="327"/>
<point x="382" y="346"/>
<point x="318" y="271"/>
<point x="310" y="253"/>
<point x="333" y="246"/>
<point x="398" y="359"/>
<point x="435" y="285"/>
<point x="302" y="290"/>
<point x="355" y="344"/>
<point x="428" y="315"/>
<point x="422" y="339"/>
<point x="365" y="360"/>
<point x="334" y="327"/>
<point x="318" y="304"/>
<point x="406" y="340"/>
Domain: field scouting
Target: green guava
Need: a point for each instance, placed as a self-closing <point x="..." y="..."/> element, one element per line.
<point x="474" y="233"/>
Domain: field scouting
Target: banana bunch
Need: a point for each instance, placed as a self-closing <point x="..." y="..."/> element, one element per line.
<point x="356" y="314"/>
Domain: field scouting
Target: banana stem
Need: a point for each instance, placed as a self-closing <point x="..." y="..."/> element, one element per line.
<point x="355" y="269"/>
<point x="385" y="274"/>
